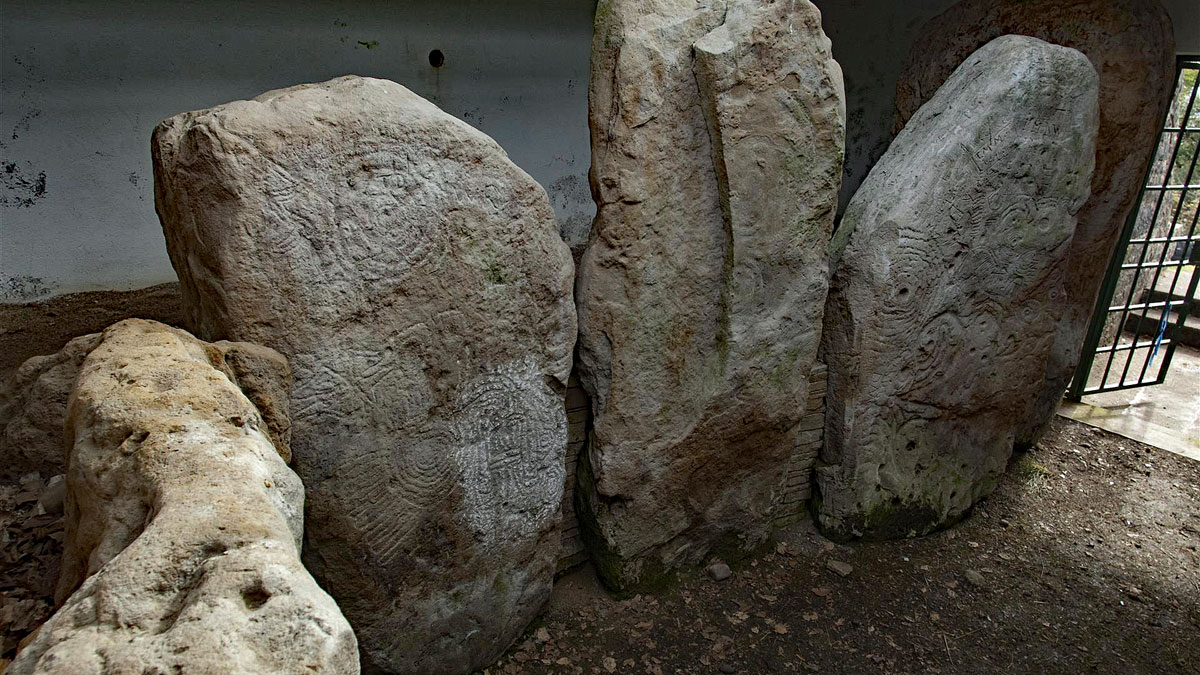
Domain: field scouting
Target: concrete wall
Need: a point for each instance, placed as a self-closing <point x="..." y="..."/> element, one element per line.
<point x="1186" y="16"/>
<point x="871" y="39"/>
<point x="82" y="84"/>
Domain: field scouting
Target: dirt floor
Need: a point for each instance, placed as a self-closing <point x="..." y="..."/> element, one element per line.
<point x="1086" y="559"/>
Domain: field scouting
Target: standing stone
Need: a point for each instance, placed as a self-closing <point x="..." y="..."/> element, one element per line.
<point x="182" y="550"/>
<point x="1132" y="46"/>
<point x="949" y="270"/>
<point x="415" y="279"/>
<point x="717" y="139"/>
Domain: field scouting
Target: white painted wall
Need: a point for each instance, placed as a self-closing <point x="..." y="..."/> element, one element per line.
<point x="82" y="84"/>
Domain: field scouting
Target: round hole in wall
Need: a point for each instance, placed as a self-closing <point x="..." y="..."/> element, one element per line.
<point x="437" y="59"/>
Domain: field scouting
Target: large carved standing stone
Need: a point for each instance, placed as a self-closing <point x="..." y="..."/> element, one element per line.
<point x="717" y="140"/>
<point x="415" y="279"/>
<point x="184" y="525"/>
<point x="1132" y="46"/>
<point x="948" y="284"/>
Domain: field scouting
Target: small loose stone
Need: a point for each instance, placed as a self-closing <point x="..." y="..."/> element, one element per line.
<point x="975" y="579"/>
<point x="719" y="571"/>
<point x="841" y="568"/>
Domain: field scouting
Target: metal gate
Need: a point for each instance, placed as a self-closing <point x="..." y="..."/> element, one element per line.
<point x="1150" y="287"/>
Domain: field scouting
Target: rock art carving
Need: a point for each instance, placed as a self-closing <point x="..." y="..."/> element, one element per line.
<point x="182" y="550"/>
<point x="717" y="142"/>
<point x="415" y="279"/>
<point x="1132" y="46"/>
<point x="510" y="451"/>
<point x="950" y="264"/>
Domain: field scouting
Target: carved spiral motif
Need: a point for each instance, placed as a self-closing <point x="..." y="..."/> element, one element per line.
<point x="510" y="438"/>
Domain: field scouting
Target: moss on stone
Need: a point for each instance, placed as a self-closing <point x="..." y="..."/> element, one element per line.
<point x="897" y="518"/>
<point x="612" y="570"/>
<point x="646" y="574"/>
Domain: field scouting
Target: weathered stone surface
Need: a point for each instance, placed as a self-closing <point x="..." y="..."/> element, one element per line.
<point x="1132" y="46"/>
<point x="415" y="279"/>
<point x="949" y="269"/>
<point x="183" y="526"/>
<point x="265" y="378"/>
<point x="717" y="140"/>
<point x="33" y="405"/>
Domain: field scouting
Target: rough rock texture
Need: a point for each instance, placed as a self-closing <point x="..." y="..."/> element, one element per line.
<point x="949" y="270"/>
<point x="717" y="141"/>
<point x="183" y="526"/>
<point x="415" y="279"/>
<point x="265" y="378"/>
<point x="1132" y="46"/>
<point x="33" y="404"/>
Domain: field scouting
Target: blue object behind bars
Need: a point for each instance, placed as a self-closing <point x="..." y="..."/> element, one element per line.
<point x="1162" y="328"/>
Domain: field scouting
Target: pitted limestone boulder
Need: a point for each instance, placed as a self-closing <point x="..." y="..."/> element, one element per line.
<point x="717" y="142"/>
<point x="948" y="285"/>
<point x="182" y="550"/>
<point x="415" y="279"/>
<point x="1132" y="46"/>
<point x="33" y="403"/>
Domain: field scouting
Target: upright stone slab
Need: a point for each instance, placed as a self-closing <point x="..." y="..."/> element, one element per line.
<point x="1132" y="46"/>
<point x="182" y="550"/>
<point x="415" y="278"/>
<point x="949" y="269"/>
<point x="717" y="140"/>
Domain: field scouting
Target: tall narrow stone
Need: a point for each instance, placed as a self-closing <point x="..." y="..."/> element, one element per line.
<point x="950" y="264"/>
<point x="182" y="550"/>
<point x="717" y="139"/>
<point x="415" y="278"/>
<point x="1132" y="46"/>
